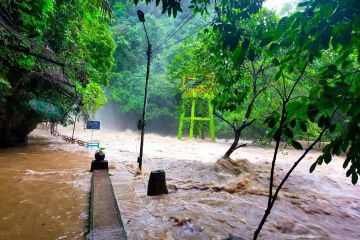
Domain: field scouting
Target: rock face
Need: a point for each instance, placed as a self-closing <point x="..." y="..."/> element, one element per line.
<point x="34" y="86"/>
<point x="16" y="123"/>
<point x="19" y="113"/>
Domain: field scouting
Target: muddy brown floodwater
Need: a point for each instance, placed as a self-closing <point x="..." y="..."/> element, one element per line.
<point x="216" y="200"/>
<point x="44" y="189"/>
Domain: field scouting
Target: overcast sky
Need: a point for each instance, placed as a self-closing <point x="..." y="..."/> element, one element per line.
<point x="276" y="4"/>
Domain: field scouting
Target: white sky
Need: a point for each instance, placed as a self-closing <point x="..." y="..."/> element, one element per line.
<point x="276" y="4"/>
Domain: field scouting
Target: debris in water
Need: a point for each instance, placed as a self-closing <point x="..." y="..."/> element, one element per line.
<point x="180" y="221"/>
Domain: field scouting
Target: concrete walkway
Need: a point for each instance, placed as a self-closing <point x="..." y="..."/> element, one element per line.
<point x="105" y="218"/>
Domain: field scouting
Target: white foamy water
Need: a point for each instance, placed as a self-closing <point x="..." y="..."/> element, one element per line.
<point x="211" y="202"/>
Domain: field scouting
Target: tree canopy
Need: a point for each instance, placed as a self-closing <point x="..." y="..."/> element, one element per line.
<point x="55" y="55"/>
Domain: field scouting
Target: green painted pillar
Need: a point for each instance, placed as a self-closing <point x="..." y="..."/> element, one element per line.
<point x="191" y="134"/>
<point x="182" y="116"/>
<point x="212" y="123"/>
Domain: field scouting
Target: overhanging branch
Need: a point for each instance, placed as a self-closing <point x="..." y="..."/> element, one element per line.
<point x="222" y="118"/>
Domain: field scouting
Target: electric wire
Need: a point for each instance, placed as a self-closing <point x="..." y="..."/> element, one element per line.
<point x="191" y="17"/>
<point x="188" y="36"/>
<point x="182" y="23"/>
<point x="176" y="29"/>
<point x="203" y="40"/>
<point x="172" y="31"/>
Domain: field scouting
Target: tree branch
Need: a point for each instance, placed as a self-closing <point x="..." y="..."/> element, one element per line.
<point x="241" y="145"/>
<point x="279" y="92"/>
<point x="28" y="52"/>
<point x="222" y="118"/>
<point x="272" y="199"/>
<point x="297" y="81"/>
<point x="265" y="68"/>
<point x="284" y="86"/>
<point x="261" y="66"/>
<point x="260" y="91"/>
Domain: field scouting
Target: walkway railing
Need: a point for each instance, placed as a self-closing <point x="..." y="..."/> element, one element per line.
<point x="53" y="131"/>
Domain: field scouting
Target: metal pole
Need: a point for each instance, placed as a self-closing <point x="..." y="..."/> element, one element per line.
<point x="148" y="53"/>
<point x="72" y="137"/>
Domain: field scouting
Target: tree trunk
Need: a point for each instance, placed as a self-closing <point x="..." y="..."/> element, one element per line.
<point x="157" y="183"/>
<point x="234" y="145"/>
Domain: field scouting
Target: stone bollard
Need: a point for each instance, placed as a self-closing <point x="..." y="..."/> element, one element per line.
<point x="99" y="165"/>
<point x="157" y="183"/>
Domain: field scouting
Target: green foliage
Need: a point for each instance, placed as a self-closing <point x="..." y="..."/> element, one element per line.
<point x="241" y="72"/>
<point x="92" y="96"/>
<point x="325" y="35"/>
<point x="26" y="62"/>
<point x="72" y="32"/>
<point x="101" y="150"/>
<point x="31" y="16"/>
<point x="314" y="58"/>
<point x="128" y="80"/>
<point x="128" y="90"/>
<point x="304" y="66"/>
<point x="245" y="8"/>
<point x="4" y="85"/>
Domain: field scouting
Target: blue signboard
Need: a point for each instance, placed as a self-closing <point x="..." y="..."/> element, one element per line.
<point x="93" y="125"/>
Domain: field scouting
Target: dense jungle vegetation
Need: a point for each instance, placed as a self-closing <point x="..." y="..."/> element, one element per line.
<point x="55" y="58"/>
<point x="282" y="77"/>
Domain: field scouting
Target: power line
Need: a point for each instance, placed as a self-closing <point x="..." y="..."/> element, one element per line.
<point x="188" y="36"/>
<point x="203" y="40"/>
<point x="176" y="29"/>
<point x="171" y="32"/>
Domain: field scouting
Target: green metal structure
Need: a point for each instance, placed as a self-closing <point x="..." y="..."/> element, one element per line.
<point x="193" y="98"/>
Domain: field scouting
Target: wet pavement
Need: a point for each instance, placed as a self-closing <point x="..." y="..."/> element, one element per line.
<point x="105" y="218"/>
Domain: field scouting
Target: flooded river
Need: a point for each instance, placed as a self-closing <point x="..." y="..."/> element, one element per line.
<point x="44" y="190"/>
<point x="216" y="200"/>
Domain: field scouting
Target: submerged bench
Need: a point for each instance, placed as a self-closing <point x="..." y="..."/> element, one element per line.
<point x="104" y="219"/>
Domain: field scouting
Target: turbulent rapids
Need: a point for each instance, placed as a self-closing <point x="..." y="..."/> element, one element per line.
<point x="209" y="197"/>
<point x="214" y="199"/>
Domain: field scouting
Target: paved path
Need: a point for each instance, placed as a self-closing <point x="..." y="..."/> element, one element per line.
<point x="105" y="218"/>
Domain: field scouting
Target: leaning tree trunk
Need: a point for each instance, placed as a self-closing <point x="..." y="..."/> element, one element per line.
<point x="234" y="145"/>
<point x="237" y="131"/>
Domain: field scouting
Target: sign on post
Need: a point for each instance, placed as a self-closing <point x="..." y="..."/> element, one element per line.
<point x="94" y="125"/>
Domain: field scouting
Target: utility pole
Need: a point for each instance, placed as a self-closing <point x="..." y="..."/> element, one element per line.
<point x="143" y="120"/>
